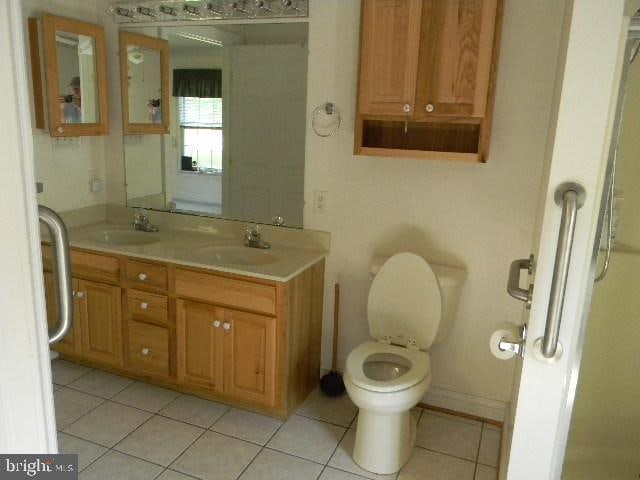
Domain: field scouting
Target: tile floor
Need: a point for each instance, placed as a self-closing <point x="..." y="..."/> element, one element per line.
<point x="128" y="430"/>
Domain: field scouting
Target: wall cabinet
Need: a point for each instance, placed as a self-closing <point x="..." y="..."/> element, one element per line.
<point x="427" y="76"/>
<point x="251" y="342"/>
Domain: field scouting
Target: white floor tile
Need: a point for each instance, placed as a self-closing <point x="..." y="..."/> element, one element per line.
<point x="489" y="447"/>
<point x="248" y="426"/>
<point x="449" y="435"/>
<point x="87" y="452"/>
<point x="486" y="473"/>
<point x="108" y="424"/>
<point x="159" y="440"/>
<point x="307" y="438"/>
<point x="273" y="465"/>
<point x="117" y="466"/>
<point x="101" y="384"/>
<point x="343" y="460"/>
<point x="427" y="465"/>
<point x="216" y="457"/>
<point x="333" y="474"/>
<point x="64" y="372"/>
<point x="171" y="475"/>
<point x="339" y="410"/>
<point x="194" y="410"/>
<point x="70" y="405"/>
<point x="146" y="397"/>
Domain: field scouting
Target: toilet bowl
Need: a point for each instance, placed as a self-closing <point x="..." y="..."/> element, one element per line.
<point x="387" y="377"/>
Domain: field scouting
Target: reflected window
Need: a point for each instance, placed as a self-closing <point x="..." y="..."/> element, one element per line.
<point x="200" y="122"/>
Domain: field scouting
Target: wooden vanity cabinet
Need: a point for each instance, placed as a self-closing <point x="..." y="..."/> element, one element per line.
<point x="231" y="338"/>
<point x="70" y="344"/>
<point x="427" y="76"/>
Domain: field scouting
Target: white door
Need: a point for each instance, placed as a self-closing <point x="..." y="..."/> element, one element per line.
<point x="27" y="423"/>
<point x="587" y="87"/>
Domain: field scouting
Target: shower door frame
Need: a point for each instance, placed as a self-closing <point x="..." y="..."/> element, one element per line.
<point x="586" y="105"/>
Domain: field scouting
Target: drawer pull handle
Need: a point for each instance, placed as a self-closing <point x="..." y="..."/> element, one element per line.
<point x="145" y="351"/>
<point x="142" y="277"/>
<point x="144" y="305"/>
<point x="216" y="323"/>
<point x="79" y="294"/>
<point x="226" y="325"/>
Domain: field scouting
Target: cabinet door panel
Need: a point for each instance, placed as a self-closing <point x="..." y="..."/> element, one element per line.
<point x="70" y="344"/>
<point x="250" y="357"/>
<point x="455" y="57"/>
<point x="389" y="56"/>
<point x="199" y="344"/>
<point x="101" y="322"/>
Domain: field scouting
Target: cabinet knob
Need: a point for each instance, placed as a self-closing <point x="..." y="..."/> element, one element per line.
<point x="429" y="108"/>
<point x="406" y="108"/>
<point x="216" y="323"/>
<point x="226" y="325"/>
<point x="60" y="129"/>
<point x="79" y="294"/>
<point x="145" y="351"/>
<point x="144" y="305"/>
<point x="142" y="277"/>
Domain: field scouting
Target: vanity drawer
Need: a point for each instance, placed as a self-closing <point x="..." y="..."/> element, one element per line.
<point x="146" y="275"/>
<point x="229" y="292"/>
<point x="147" y="307"/>
<point x="148" y="347"/>
<point x="87" y="265"/>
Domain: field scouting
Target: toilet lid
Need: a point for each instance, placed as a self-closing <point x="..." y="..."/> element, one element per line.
<point x="404" y="302"/>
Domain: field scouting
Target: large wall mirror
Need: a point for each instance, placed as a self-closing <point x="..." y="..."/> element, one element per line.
<point x="75" y="71"/>
<point x="236" y="142"/>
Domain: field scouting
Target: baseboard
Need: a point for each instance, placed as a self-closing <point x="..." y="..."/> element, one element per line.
<point x="467" y="404"/>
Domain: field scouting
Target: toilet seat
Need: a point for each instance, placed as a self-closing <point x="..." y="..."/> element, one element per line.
<point x="419" y="370"/>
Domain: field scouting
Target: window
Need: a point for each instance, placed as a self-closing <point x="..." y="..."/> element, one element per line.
<point x="201" y="130"/>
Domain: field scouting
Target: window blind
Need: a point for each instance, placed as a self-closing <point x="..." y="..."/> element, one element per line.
<point x="195" y="112"/>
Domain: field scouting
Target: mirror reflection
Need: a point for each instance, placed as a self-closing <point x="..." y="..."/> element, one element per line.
<point x="78" y="98"/>
<point x="145" y="87"/>
<point x="237" y="125"/>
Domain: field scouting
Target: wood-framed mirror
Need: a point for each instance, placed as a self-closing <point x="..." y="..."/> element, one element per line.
<point x="76" y="77"/>
<point x="144" y="78"/>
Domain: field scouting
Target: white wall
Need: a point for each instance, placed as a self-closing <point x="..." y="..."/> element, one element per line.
<point x="65" y="166"/>
<point x="476" y="216"/>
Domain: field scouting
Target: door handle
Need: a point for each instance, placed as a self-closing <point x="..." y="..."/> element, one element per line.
<point x="513" y="284"/>
<point x="64" y="292"/>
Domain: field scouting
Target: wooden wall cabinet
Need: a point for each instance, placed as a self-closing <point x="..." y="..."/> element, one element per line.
<point x="427" y="77"/>
<point x="251" y="342"/>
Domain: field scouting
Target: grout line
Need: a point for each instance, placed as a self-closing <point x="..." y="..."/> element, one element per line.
<point x="181" y="473"/>
<point x="259" y="451"/>
<point x="326" y="421"/>
<point x="445" y="454"/>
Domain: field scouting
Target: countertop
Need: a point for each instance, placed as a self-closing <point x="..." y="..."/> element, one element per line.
<point x="197" y="249"/>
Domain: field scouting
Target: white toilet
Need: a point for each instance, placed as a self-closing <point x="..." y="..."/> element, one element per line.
<point x="411" y="306"/>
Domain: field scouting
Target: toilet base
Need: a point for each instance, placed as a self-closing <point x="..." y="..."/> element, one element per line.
<point x="384" y="442"/>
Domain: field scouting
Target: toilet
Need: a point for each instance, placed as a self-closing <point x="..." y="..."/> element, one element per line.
<point x="411" y="306"/>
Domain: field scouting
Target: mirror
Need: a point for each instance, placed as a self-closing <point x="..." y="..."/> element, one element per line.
<point x="236" y="147"/>
<point x="144" y="70"/>
<point x="75" y="76"/>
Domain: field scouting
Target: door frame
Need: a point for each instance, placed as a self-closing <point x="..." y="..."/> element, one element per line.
<point x="580" y="135"/>
<point x="27" y="419"/>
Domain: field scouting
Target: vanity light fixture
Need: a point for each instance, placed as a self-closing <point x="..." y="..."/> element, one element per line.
<point x="199" y="38"/>
<point x="181" y="10"/>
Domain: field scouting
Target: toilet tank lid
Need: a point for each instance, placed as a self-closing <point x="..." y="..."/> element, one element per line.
<point x="447" y="275"/>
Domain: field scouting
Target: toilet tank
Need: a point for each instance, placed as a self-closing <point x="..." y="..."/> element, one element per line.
<point x="450" y="280"/>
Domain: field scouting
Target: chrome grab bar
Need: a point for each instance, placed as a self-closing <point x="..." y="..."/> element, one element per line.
<point x="570" y="196"/>
<point x="513" y="284"/>
<point x="62" y="269"/>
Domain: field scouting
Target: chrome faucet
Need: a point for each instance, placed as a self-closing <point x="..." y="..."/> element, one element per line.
<point x="252" y="238"/>
<point x="142" y="223"/>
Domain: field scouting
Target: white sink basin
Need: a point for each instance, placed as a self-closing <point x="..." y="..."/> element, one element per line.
<point x="121" y="236"/>
<point x="232" y="255"/>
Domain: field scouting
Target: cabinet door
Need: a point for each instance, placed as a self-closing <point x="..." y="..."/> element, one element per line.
<point x="456" y="48"/>
<point x="199" y="344"/>
<point x="70" y="344"/>
<point x="390" y="39"/>
<point x="100" y="322"/>
<point x="250" y="356"/>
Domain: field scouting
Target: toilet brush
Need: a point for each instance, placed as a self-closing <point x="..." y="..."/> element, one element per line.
<point x="332" y="383"/>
